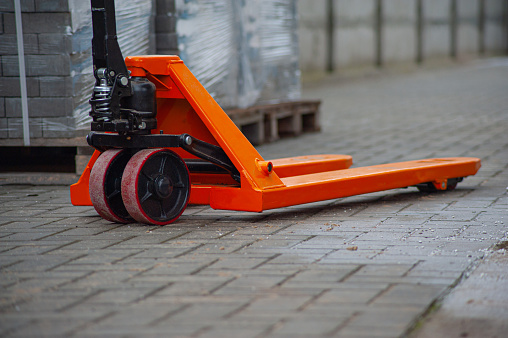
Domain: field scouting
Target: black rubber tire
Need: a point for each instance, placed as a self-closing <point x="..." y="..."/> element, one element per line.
<point x="429" y="187"/>
<point x="105" y="185"/>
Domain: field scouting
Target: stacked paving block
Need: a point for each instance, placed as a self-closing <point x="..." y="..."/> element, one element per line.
<point x="57" y="46"/>
<point x="48" y="53"/>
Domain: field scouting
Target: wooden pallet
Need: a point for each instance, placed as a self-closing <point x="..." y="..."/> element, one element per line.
<point x="267" y="123"/>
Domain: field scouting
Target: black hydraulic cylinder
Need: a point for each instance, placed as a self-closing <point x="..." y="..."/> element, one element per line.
<point x="143" y="97"/>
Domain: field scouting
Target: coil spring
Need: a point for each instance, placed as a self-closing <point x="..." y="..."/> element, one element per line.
<point x="102" y="100"/>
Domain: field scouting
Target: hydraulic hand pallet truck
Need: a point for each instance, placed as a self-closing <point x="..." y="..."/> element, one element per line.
<point x="162" y="142"/>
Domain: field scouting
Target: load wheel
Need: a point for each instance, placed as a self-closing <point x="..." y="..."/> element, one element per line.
<point x="429" y="187"/>
<point x="156" y="186"/>
<point x="105" y="185"/>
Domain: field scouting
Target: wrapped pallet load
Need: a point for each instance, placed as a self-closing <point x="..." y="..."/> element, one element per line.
<point x="57" y="38"/>
<point x="245" y="53"/>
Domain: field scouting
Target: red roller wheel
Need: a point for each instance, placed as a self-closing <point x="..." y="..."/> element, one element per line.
<point x="105" y="185"/>
<point x="156" y="186"/>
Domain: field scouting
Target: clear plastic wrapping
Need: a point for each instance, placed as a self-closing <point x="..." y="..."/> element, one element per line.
<point x="133" y="19"/>
<point x="207" y="45"/>
<point x="243" y="52"/>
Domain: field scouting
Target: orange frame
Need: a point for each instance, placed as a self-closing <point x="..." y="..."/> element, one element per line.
<point x="184" y="106"/>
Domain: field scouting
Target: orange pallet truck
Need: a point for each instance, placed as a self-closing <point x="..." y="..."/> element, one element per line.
<point x="162" y="142"/>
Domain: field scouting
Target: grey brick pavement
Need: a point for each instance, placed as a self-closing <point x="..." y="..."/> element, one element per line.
<point x="364" y="266"/>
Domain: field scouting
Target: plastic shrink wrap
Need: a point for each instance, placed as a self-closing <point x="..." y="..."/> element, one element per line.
<point x="133" y="19"/>
<point x="243" y="52"/>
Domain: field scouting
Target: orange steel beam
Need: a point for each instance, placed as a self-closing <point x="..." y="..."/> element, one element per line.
<point x="347" y="182"/>
<point x="303" y="165"/>
<point x="184" y="106"/>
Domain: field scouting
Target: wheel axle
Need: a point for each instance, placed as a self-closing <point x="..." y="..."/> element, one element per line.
<point x="163" y="186"/>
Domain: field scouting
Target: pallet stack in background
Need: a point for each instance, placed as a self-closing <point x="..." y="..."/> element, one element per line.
<point x="245" y="54"/>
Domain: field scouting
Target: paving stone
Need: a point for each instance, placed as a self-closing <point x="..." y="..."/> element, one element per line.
<point x="343" y="296"/>
<point x="97" y="280"/>
<point x="273" y="304"/>
<point x="238" y="263"/>
<point x="410" y="295"/>
<point x="251" y="283"/>
<point x="307" y="327"/>
<point x="180" y="267"/>
<point x="248" y="329"/>
<point x="23" y="212"/>
<point x="224" y="246"/>
<point x="324" y="274"/>
<point x="58" y="327"/>
<point x="128" y="318"/>
<point x="357" y="331"/>
<point x="414" y="250"/>
<point x="197" y="285"/>
<point x="353" y="253"/>
<point x="337" y="312"/>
